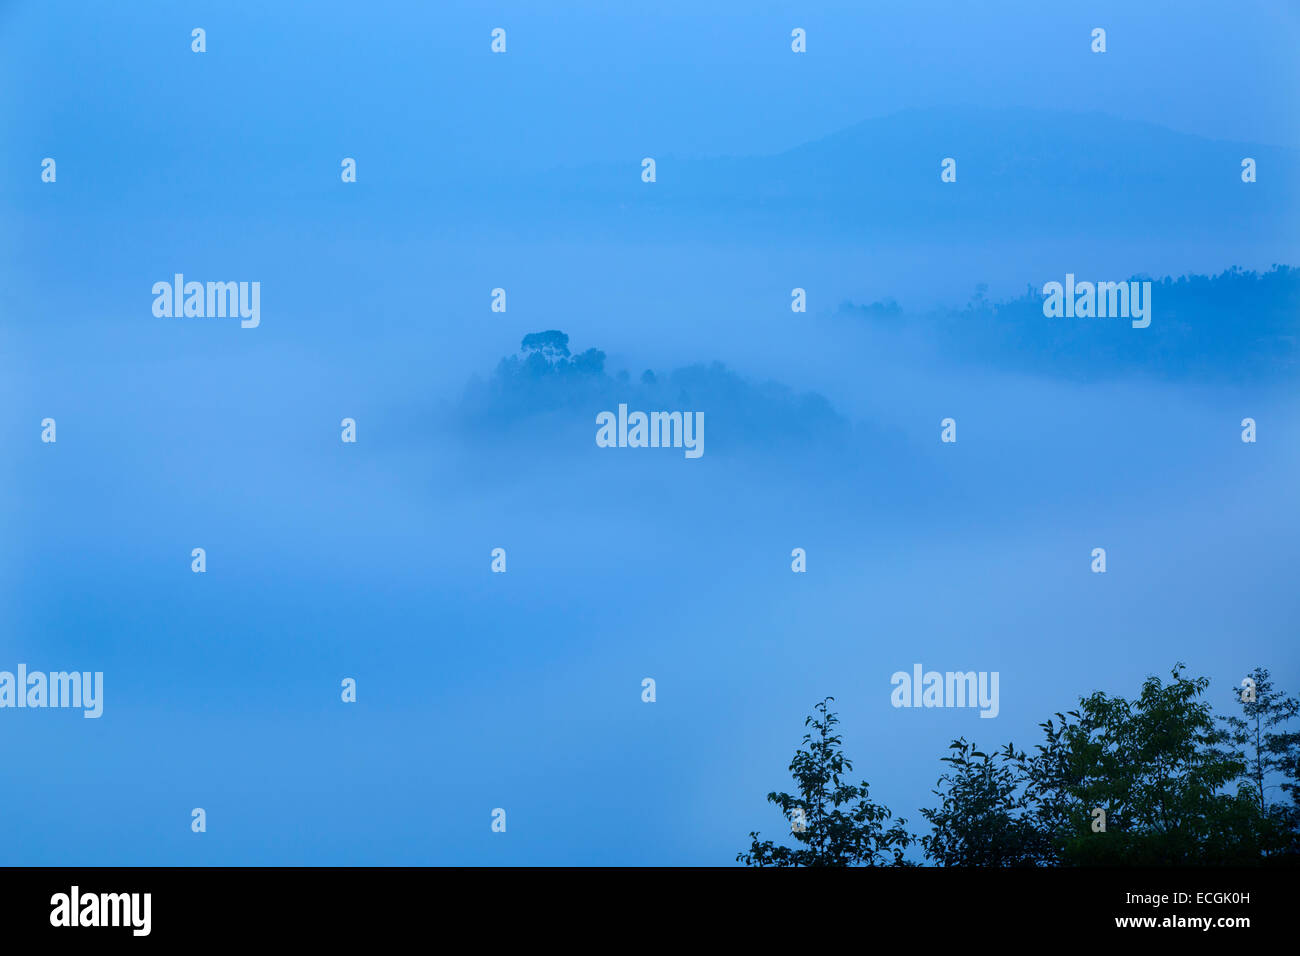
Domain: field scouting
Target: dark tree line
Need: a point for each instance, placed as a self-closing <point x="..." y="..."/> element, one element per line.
<point x="1238" y="325"/>
<point x="1157" y="780"/>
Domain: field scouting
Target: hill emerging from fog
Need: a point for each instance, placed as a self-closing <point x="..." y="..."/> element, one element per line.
<point x="1237" y="326"/>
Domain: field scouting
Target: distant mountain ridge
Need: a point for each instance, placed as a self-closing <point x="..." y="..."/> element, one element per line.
<point x="1019" y="172"/>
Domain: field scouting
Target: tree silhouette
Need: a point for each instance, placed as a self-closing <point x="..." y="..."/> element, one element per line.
<point x="1177" y="784"/>
<point x="1157" y="766"/>
<point x="552" y="345"/>
<point x="836" y="822"/>
<point x="1268" y="752"/>
<point x="1160" y="768"/>
<point x="985" y="817"/>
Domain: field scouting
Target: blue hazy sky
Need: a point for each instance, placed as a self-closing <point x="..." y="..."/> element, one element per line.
<point x="522" y="691"/>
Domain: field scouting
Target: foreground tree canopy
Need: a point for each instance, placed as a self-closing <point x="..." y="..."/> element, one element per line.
<point x="1157" y="780"/>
